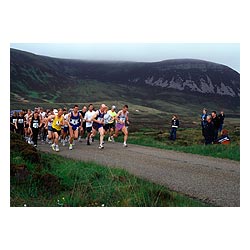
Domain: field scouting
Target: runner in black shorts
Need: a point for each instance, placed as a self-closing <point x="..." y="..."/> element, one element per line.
<point x="98" y="122"/>
<point x="88" y="119"/>
<point x="108" y="120"/>
<point x="75" y="124"/>
<point x="56" y="127"/>
<point x="112" y="123"/>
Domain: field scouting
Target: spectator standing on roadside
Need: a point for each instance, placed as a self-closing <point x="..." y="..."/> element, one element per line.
<point x="174" y="127"/>
<point x="216" y="122"/>
<point x="221" y="117"/>
<point x="203" y="120"/>
<point x="209" y="131"/>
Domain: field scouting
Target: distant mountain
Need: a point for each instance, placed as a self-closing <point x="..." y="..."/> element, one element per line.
<point x="46" y="79"/>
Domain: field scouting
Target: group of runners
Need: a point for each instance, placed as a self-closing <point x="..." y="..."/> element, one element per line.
<point x="67" y="126"/>
<point x="64" y="125"/>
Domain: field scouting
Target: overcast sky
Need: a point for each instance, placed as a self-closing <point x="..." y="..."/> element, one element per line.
<point x="224" y="53"/>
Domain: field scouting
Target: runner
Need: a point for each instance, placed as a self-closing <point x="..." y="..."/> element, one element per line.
<point x="107" y="119"/>
<point x="43" y="131"/>
<point x="65" y="130"/>
<point x="122" y="118"/>
<point x="112" y="123"/>
<point x="35" y="124"/>
<point x="27" y="129"/>
<point x="82" y="132"/>
<point x="75" y="122"/>
<point x="48" y="126"/>
<point x="13" y="120"/>
<point x="56" y="127"/>
<point x="98" y="123"/>
<point x="20" y="123"/>
<point x="88" y="119"/>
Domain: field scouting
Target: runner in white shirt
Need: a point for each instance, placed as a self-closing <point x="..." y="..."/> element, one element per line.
<point x="65" y="130"/>
<point x="88" y="119"/>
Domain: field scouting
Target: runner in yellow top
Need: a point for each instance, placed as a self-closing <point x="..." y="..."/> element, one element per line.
<point x="112" y="123"/>
<point x="56" y="127"/>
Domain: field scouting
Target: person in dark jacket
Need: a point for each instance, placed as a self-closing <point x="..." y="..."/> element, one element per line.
<point x="221" y="116"/>
<point x="174" y="127"/>
<point x="216" y="122"/>
<point x="209" y="131"/>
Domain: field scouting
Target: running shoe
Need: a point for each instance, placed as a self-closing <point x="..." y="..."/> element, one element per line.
<point x="109" y="139"/>
<point x="88" y="143"/>
<point x="53" y="147"/>
<point x="57" y="148"/>
<point x="125" y="145"/>
<point x="70" y="146"/>
<point x="101" y="146"/>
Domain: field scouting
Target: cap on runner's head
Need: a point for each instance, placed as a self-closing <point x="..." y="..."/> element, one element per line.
<point x="55" y="111"/>
<point x="113" y="107"/>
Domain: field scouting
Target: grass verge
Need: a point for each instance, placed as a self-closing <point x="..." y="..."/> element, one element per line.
<point x="188" y="140"/>
<point x="40" y="179"/>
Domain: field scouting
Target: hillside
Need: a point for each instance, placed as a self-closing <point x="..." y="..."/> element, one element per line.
<point x="186" y="83"/>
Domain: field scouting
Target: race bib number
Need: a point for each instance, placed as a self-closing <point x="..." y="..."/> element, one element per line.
<point x="20" y="120"/>
<point x="35" y="125"/>
<point x="74" y="121"/>
<point x="123" y="119"/>
<point x="58" y="123"/>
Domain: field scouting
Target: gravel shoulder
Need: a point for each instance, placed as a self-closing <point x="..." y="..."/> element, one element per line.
<point x="213" y="180"/>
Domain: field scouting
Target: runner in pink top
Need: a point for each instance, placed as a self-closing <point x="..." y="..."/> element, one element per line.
<point x="122" y="118"/>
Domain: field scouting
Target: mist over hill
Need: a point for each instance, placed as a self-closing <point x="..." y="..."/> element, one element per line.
<point x="47" y="80"/>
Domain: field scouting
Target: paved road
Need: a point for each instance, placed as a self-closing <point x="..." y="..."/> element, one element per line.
<point x="213" y="180"/>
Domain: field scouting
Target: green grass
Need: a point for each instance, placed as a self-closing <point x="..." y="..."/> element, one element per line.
<point x="188" y="140"/>
<point x="51" y="180"/>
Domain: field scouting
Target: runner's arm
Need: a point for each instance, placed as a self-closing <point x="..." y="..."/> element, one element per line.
<point x="51" y="117"/>
<point x="68" y="120"/>
<point x="16" y="123"/>
<point x="81" y="117"/>
<point x="40" y="123"/>
<point x="127" y="119"/>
